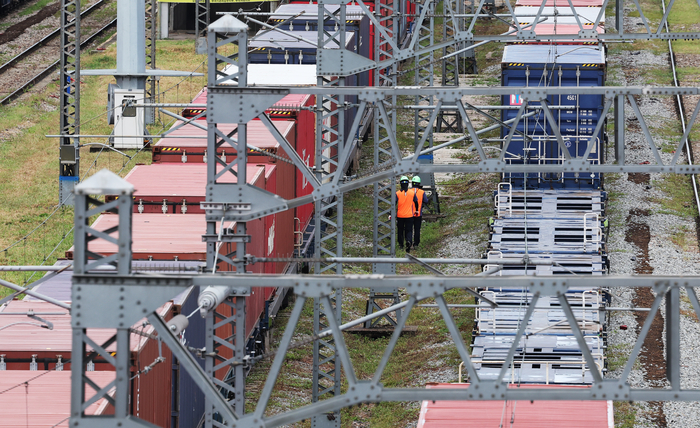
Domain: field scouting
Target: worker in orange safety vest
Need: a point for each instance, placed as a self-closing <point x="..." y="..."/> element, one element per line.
<point x="422" y="201"/>
<point x="406" y="205"/>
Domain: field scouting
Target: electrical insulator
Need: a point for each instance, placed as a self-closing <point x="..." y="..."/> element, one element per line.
<point x="3" y="365"/>
<point x="59" y="364"/>
<point x="33" y="366"/>
<point x="211" y="297"/>
<point x="178" y="324"/>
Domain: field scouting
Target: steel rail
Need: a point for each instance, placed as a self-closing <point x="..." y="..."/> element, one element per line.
<point x="47" y="72"/>
<point x="47" y="39"/>
<point x="681" y="111"/>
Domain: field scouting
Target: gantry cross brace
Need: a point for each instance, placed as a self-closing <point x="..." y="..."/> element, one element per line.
<point x="100" y="297"/>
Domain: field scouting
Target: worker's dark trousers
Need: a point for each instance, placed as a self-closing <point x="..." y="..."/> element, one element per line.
<point x="417" y="221"/>
<point x="404" y="228"/>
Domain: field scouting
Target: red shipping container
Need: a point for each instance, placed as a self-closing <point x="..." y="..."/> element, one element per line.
<point x="192" y="150"/>
<point x="563" y="6"/>
<point x="170" y="188"/>
<point x="549" y="29"/>
<point x="151" y="398"/>
<point x="295" y="107"/>
<point x="45" y="401"/>
<point x="179" y="237"/>
<point x="305" y="146"/>
<point x="200" y="98"/>
<point x="279" y="228"/>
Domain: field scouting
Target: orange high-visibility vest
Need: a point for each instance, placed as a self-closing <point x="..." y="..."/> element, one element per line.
<point x="419" y="197"/>
<point x="405" y="206"/>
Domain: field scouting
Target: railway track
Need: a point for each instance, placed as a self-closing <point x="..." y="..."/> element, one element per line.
<point x="44" y="42"/>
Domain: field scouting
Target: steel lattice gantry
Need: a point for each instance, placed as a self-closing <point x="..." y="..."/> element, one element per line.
<point x="69" y="151"/>
<point x="328" y="214"/>
<point x="151" y="24"/>
<point x="384" y="122"/>
<point x="119" y="299"/>
<point x="201" y="22"/>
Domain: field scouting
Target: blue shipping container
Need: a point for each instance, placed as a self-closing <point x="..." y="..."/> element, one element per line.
<point x="305" y="18"/>
<point x="576" y="116"/>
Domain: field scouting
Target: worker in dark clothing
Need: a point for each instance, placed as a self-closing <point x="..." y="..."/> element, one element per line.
<point x="406" y="205"/>
<point x="422" y="200"/>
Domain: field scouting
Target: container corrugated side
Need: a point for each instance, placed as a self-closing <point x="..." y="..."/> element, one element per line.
<point x="171" y="188"/>
<point x="554" y="66"/>
<point x="188" y="144"/>
<point x="45" y="401"/>
<point x="541" y="414"/>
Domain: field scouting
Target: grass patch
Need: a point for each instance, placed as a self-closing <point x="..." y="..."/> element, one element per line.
<point x="679" y="195"/>
<point x="625" y="414"/>
<point x="35" y="7"/>
<point x="29" y="171"/>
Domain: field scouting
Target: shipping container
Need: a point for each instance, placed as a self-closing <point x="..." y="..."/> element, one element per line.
<point x="43" y="400"/>
<point x="278" y="48"/>
<point x="304" y="17"/>
<point x="576" y="116"/>
<point x="262" y="75"/>
<point x="561" y="3"/>
<point x="171" y="188"/>
<point x="188" y="144"/>
<point x="523" y="413"/>
<point x="178" y="237"/>
<point x="561" y="29"/>
<point x="298" y="108"/>
<point x="27" y="342"/>
<point x="275" y="47"/>
<point x="187" y="400"/>
<point x="560" y="15"/>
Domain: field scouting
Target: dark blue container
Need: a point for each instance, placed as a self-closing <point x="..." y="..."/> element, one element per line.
<point x="188" y="398"/>
<point x="274" y="47"/>
<point x="307" y="20"/>
<point x="545" y="65"/>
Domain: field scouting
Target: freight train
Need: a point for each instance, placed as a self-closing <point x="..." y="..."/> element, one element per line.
<point x="554" y="217"/>
<point x="168" y="222"/>
<point x="557" y="217"/>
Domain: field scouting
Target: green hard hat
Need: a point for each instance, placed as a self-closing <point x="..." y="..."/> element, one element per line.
<point x="403" y="178"/>
<point x="416" y="179"/>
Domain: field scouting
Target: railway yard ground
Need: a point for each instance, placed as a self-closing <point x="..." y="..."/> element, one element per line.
<point x="653" y="227"/>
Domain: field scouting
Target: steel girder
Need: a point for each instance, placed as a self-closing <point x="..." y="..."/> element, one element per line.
<point x="201" y="21"/>
<point x="69" y="151"/>
<point x="328" y="216"/>
<point x="151" y="25"/>
<point x="384" y="125"/>
<point x="115" y="296"/>
<point x="225" y="339"/>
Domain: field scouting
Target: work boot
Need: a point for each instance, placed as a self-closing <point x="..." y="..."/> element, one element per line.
<point x="408" y="247"/>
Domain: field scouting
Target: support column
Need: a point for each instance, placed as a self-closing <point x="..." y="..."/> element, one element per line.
<point x="384" y="229"/>
<point x="328" y="216"/>
<point x="424" y="76"/>
<point x="151" y="24"/>
<point x="620" y="129"/>
<point x="200" y="25"/>
<point x="69" y="151"/>
<point x="164" y="18"/>
<point x="226" y="233"/>
<point x="673" y="337"/>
